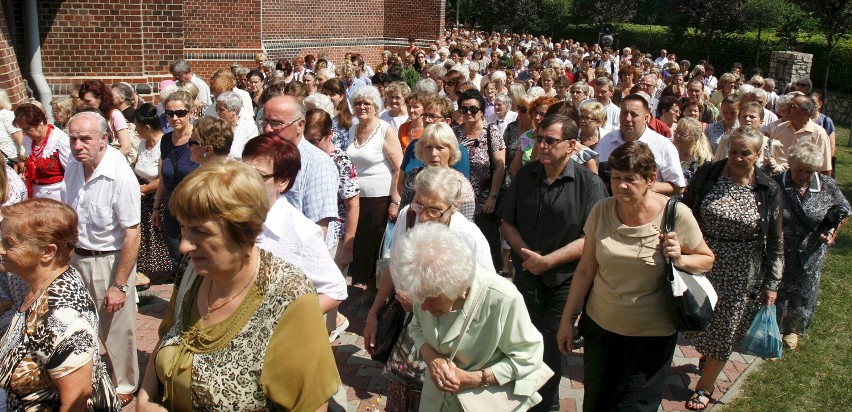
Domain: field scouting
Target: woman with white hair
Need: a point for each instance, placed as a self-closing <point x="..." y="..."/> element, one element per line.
<point x="813" y="210"/>
<point x="499" y="80"/>
<point x="395" y="112"/>
<point x="228" y="106"/>
<point x="376" y="153"/>
<point x="11" y="136"/>
<point x="437" y="271"/>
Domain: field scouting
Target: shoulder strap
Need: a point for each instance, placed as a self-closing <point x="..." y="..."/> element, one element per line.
<point x="670" y="216"/>
<point x="477" y="303"/>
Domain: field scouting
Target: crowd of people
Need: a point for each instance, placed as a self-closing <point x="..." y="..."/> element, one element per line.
<point x="506" y="190"/>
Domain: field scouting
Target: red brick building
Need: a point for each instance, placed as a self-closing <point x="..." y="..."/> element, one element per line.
<point x="136" y="40"/>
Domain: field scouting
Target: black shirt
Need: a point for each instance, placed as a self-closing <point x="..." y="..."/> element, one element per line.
<point x="550" y="216"/>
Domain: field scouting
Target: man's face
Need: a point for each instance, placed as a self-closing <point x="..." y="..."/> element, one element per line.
<point x="553" y="149"/>
<point x="759" y="99"/>
<point x="182" y="77"/>
<point x="633" y="119"/>
<point x="603" y="92"/>
<point x="87" y="141"/>
<point x="648" y="84"/>
<point x="279" y="117"/>
<point x="663" y="53"/>
<point x="695" y="90"/>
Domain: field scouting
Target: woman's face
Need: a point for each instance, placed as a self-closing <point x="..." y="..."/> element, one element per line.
<point x="672" y="115"/>
<point x="415" y="109"/>
<point x="546" y="83"/>
<point x="578" y="95"/>
<point x="364" y="109"/>
<point x="335" y="98"/>
<point x="741" y="156"/>
<point x="177" y="114"/>
<point x="196" y="149"/>
<point x="538" y="114"/>
<point x="729" y="113"/>
<point x="500" y="109"/>
<point x="255" y="85"/>
<point x="229" y="116"/>
<point x="264" y="166"/>
<point x="430" y="207"/>
<point x="210" y="247"/>
<point x="588" y="123"/>
<point x="242" y="82"/>
<point x="90" y="101"/>
<point x="310" y="83"/>
<point x="510" y="77"/>
<point x="490" y="92"/>
<point x="801" y="174"/>
<point x="394" y="103"/>
<point x="75" y="97"/>
<point x="436" y="154"/>
<point x="628" y="186"/>
<point x="750" y="117"/>
<point x="16" y="257"/>
<point x="692" y="111"/>
<point x="59" y="115"/>
<point x="467" y="109"/>
<point x="438" y="305"/>
<point x="116" y="98"/>
<point x="683" y="142"/>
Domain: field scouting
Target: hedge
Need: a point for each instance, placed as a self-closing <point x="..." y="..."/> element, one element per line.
<point x="733" y="48"/>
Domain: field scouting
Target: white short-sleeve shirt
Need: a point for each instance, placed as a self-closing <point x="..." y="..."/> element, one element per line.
<point x="665" y="154"/>
<point x="107" y="204"/>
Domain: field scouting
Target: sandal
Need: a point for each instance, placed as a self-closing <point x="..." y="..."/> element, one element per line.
<point x="695" y="402"/>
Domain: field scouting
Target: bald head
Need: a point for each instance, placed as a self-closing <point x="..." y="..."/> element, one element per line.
<point x="284" y="116"/>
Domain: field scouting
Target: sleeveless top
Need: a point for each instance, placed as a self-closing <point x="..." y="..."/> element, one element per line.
<point x="374" y="170"/>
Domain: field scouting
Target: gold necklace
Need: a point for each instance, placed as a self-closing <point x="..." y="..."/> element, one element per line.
<point x="231" y="299"/>
<point x="40" y="290"/>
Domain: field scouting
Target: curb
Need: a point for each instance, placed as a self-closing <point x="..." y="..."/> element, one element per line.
<point x="734" y="391"/>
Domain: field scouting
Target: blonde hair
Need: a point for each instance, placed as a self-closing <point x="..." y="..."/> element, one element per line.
<point x="441" y="134"/>
<point x="700" y="150"/>
<point x="595" y="109"/>
<point x="223" y="189"/>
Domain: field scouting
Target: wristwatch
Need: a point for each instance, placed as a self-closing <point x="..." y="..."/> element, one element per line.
<point x="484" y="381"/>
<point x="122" y="288"/>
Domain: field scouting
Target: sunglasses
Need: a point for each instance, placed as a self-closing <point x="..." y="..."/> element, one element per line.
<point x="549" y="141"/>
<point x="178" y="113"/>
<point x="469" y="109"/>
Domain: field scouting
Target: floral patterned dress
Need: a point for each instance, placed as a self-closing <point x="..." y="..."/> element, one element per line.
<point x="348" y="188"/>
<point x="480" y="150"/>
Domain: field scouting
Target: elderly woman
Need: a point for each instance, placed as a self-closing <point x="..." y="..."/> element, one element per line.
<point x="514" y="130"/>
<point x="738" y="208"/>
<point x="376" y="153"/>
<point x="342" y="119"/>
<point x="211" y="139"/>
<point x="751" y="115"/>
<point x="436" y="199"/>
<point x="580" y="91"/>
<point x="808" y="200"/>
<point x="255" y="86"/>
<point x="310" y="81"/>
<point x="175" y="164"/>
<point x="11" y="137"/>
<point x="124" y="99"/>
<point x="727" y="82"/>
<point x="729" y="112"/>
<point x="487" y="166"/>
<point x="228" y="106"/>
<point x="153" y="251"/>
<point x="437" y="271"/>
<point x="96" y="95"/>
<point x="238" y="314"/>
<point x="438" y="147"/>
<point x="629" y="335"/>
<point x="395" y="111"/>
<point x="593" y="124"/>
<point x="62" y="109"/>
<point x="503" y="114"/>
<point x="46" y="152"/>
<point x="692" y="146"/>
<point x="49" y="357"/>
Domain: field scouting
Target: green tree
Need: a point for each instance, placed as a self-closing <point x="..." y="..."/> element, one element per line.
<point x="604" y="11"/>
<point x="834" y="21"/>
<point x="762" y="15"/>
<point x="705" y="20"/>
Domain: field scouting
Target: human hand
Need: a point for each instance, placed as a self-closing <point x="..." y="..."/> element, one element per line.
<point x="671" y="246"/>
<point x="534" y="262"/>
<point x="156" y="219"/>
<point x="344" y="257"/>
<point x="443" y="374"/>
<point x="114" y="299"/>
<point x="393" y="212"/>
<point x="828" y="237"/>
<point x="489" y="205"/>
<point x="767" y="297"/>
<point x="370" y="327"/>
<point x="565" y="335"/>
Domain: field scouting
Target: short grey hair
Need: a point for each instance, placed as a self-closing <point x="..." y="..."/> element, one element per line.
<point x="806" y="154"/>
<point x="438" y="71"/>
<point x="242" y="71"/>
<point x="320" y="101"/>
<point x="499" y="76"/>
<point x="473" y="66"/>
<point x="430" y="260"/>
<point x="439" y="133"/>
<point x="757" y="92"/>
<point x="427" y="87"/>
<point x="180" y="66"/>
<point x="269" y="65"/>
<point x="93" y="116"/>
<point x="505" y="99"/>
<point x="750" y="135"/>
<point x="232" y="101"/>
<point x="369" y="93"/>
<point x="536" y="91"/>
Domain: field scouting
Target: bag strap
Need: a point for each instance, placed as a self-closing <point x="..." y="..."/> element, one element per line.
<point x="476" y="305"/>
<point x="669" y="219"/>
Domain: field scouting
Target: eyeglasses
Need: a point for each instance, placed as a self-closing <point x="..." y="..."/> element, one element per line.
<point x="178" y="113"/>
<point x="432" y="212"/>
<point x="276" y="125"/>
<point x="548" y="141"/>
<point x="647" y="85"/>
<point x="431" y="117"/>
<point x="587" y="119"/>
<point x="469" y="109"/>
<point x="538" y="114"/>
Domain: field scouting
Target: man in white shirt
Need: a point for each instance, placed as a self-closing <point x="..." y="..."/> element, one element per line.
<point x="503" y="114"/>
<point x="183" y="73"/>
<point x="103" y="190"/>
<point x="663" y="59"/>
<point x="634" y="118"/>
<point x="603" y="94"/>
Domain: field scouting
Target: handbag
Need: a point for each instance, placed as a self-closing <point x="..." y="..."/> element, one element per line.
<point x="763" y="337"/>
<point x="391" y="321"/>
<point x="493" y="398"/>
<point x="692" y="297"/>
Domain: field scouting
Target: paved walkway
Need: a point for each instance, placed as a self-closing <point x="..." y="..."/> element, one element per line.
<point x="366" y="387"/>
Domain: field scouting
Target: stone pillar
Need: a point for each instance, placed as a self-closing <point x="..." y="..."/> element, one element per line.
<point x="787" y="66"/>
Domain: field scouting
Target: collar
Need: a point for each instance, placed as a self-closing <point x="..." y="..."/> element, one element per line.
<point x="106" y="167"/>
<point x="568" y="171"/>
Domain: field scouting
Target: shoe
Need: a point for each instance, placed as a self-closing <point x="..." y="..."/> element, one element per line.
<point x="143" y="282"/>
<point x="125" y="398"/>
<point x="338" y="331"/>
<point x="695" y="403"/>
<point x="791" y="340"/>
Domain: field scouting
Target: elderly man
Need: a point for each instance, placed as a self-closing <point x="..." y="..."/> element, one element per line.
<point x="315" y="191"/>
<point x="663" y="59"/>
<point x="634" y="119"/>
<point x="543" y="215"/>
<point x="183" y="73"/>
<point x="799" y="127"/>
<point x="103" y="190"/>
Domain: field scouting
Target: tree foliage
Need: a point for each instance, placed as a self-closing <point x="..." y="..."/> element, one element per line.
<point x="705" y="20"/>
<point x="604" y="11"/>
<point x="834" y="21"/>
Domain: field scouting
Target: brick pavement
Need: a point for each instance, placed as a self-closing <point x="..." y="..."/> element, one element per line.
<point x="366" y="387"/>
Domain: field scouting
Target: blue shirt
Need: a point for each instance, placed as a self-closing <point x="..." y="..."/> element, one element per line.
<point x="410" y="161"/>
<point x="315" y="191"/>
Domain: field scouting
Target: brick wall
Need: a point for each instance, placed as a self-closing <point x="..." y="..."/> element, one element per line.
<point x="10" y="75"/>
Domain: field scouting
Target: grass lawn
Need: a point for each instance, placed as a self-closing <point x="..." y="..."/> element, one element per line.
<point x="818" y="376"/>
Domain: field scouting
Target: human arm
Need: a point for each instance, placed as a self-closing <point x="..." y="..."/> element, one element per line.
<point x="513" y="238"/>
<point x="344" y="253"/>
<point x="115" y="299"/>
<point x="537" y="264"/>
<point x="498" y="159"/>
<point x="371" y="324"/>
<point x="393" y="153"/>
<point x="581" y="282"/>
<point x="122" y="133"/>
<point x="517" y="162"/>
<point x="592" y="165"/>
<point x="323" y="224"/>
<point x="772" y="264"/>
<point x="151" y="187"/>
<point x="157" y="213"/>
<point x="667" y="188"/>
<point x="75" y="388"/>
<point x="149" y="397"/>
<point x="18" y="138"/>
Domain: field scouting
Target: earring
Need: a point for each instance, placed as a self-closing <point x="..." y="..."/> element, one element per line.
<point x="204" y="155"/>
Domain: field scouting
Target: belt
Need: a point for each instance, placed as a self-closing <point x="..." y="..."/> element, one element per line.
<point x="88" y="253"/>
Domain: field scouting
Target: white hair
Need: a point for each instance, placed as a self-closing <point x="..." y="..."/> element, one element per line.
<point x="498" y="76"/>
<point x="430" y="260"/>
<point x="745" y="89"/>
<point x="426" y="87"/>
<point x="232" y="101"/>
<point x="320" y="101"/>
<point x="369" y="93"/>
<point x="536" y="91"/>
<point x="806" y="154"/>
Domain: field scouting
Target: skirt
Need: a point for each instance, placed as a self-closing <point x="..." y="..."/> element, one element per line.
<point x="372" y="219"/>
<point x="153" y="252"/>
